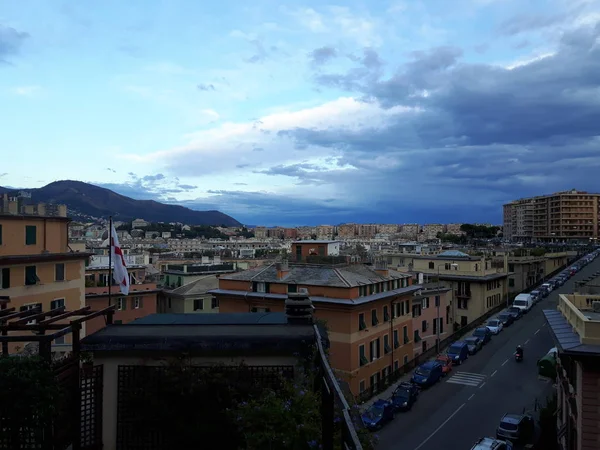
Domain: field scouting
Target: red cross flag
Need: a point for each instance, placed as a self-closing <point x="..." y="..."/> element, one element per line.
<point x="120" y="274"/>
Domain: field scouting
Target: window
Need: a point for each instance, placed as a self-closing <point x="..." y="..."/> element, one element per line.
<point x="60" y="341"/>
<point x="361" y="355"/>
<point x="5" y="278"/>
<point x="416" y="336"/>
<point x="405" y="360"/>
<point x="0" y="234"/>
<point x="511" y="267"/>
<point x="198" y="304"/>
<point x="511" y="282"/>
<point x="437" y="300"/>
<point x="214" y="303"/>
<point x="59" y="272"/>
<point x="121" y="304"/>
<point x="396" y="339"/>
<point x="361" y="322"/>
<point x="386" y="314"/>
<point x="30" y="235"/>
<point x="386" y="344"/>
<point x="30" y="307"/>
<point x="396" y="365"/>
<point x="442" y="324"/>
<point x="31" y="277"/>
<point x="435" y="325"/>
<point x="424" y="326"/>
<point x="263" y="310"/>
<point x="118" y="322"/>
<point x="260" y="286"/>
<point x="57" y="303"/>
<point x="362" y="386"/>
<point x="375" y="349"/>
<point x="374" y="319"/>
<point x="432" y="265"/>
<point x="137" y="303"/>
<point x="405" y="334"/>
<point x="292" y="288"/>
<point x="425" y="303"/>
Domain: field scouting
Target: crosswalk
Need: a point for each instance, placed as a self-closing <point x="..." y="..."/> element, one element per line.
<point x="466" y="378"/>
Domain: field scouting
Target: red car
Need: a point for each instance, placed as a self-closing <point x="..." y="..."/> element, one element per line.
<point x="446" y="363"/>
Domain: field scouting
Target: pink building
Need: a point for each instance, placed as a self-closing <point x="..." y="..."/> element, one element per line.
<point x="426" y="323"/>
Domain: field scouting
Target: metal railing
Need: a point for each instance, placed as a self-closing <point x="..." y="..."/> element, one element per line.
<point x="332" y="396"/>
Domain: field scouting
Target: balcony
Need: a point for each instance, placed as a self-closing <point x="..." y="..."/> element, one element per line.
<point x="462" y="293"/>
<point x="577" y="309"/>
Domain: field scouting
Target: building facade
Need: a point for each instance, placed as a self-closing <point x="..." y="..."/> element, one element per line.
<point x="367" y="310"/>
<point x="476" y="286"/>
<point x="141" y="301"/>
<point x="37" y="267"/>
<point x="562" y="216"/>
<point x="575" y="326"/>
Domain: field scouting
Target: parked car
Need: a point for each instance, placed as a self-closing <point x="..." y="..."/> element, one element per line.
<point x="484" y="334"/>
<point x="404" y="396"/>
<point x="446" y="363"/>
<point x="427" y="374"/>
<point x="548" y="286"/>
<point x="495" y="326"/>
<point x="516" y="427"/>
<point x="458" y="351"/>
<point x="378" y="414"/>
<point x="506" y="318"/>
<point x="515" y="312"/>
<point x="524" y="302"/>
<point x="474" y="344"/>
<point x="488" y="443"/>
<point x="537" y="295"/>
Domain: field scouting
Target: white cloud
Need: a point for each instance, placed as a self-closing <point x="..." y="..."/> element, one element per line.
<point x="26" y="91"/>
<point x="231" y="147"/>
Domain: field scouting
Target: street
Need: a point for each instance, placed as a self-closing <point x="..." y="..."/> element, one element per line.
<point x="470" y="402"/>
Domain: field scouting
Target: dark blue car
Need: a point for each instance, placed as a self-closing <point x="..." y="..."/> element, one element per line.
<point x="404" y="396"/>
<point x="427" y="374"/>
<point x="484" y="334"/>
<point x="378" y="414"/>
<point x="458" y="352"/>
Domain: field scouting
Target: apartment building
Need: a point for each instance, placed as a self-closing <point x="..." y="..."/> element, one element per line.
<point x="37" y="267"/>
<point x="575" y="327"/>
<point x="140" y="302"/>
<point x="348" y="230"/>
<point x="454" y="228"/>
<point x="410" y="230"/>
<point x="367" y="310"/>
<point x="430" y="322"/>
<point x="562" y="216"/>
<point x="431" y="230"/>
<point x="194" y="297"/>
<point x="476" y="286"/>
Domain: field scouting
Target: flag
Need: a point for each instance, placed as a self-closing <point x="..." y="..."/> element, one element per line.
<point x="119" y="272"/>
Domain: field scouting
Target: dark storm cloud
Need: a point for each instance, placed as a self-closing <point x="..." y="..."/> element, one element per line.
<point x="478" y="134"/>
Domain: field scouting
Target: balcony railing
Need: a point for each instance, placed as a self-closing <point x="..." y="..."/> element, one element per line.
<point x="332" y="396"/>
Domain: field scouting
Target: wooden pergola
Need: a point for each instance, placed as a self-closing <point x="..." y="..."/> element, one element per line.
<point x="45" y="329"/>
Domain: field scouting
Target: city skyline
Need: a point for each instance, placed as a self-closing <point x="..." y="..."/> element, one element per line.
<point x="386" y="112"/>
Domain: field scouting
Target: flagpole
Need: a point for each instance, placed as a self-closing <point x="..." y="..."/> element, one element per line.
<point x="109" y="260"/>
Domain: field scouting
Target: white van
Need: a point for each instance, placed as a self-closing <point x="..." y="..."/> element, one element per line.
<point x="524" y="302"/>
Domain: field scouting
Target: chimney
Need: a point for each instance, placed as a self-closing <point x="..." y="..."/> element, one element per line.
<point x="381" y="268"/>
<point x="283" y="269"/>
<point x="299" y="308"/>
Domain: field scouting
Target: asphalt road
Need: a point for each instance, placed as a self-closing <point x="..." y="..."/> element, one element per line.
<point x="453" y="416"/>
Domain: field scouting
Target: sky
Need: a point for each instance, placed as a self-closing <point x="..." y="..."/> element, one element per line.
<point x="305" y="112"/>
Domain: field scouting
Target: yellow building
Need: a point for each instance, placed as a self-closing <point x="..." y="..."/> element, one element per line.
<point x="37" y="267"/>
<point x="476" y="286"/>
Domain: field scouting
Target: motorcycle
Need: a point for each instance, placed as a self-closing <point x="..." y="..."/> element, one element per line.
<point x="518" y="357"/>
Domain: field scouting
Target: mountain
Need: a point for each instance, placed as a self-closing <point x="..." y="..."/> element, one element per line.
<point x="85" y="199"/>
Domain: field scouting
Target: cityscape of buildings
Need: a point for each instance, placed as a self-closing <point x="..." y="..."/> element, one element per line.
<point x="388" y="295"/>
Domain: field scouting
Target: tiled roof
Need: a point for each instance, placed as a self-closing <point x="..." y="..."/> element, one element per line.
<point x="198" y="287"/>
<point x="315" y="275"/>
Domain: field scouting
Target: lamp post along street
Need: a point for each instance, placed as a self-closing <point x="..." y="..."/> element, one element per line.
<point x="438" y="299"/>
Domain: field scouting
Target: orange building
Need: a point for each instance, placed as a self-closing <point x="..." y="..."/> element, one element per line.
<point x="430" y="323"/>
<point x="367" y="310"/>
<point x="140" y="302"/>
<point x="37" y="267"/>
